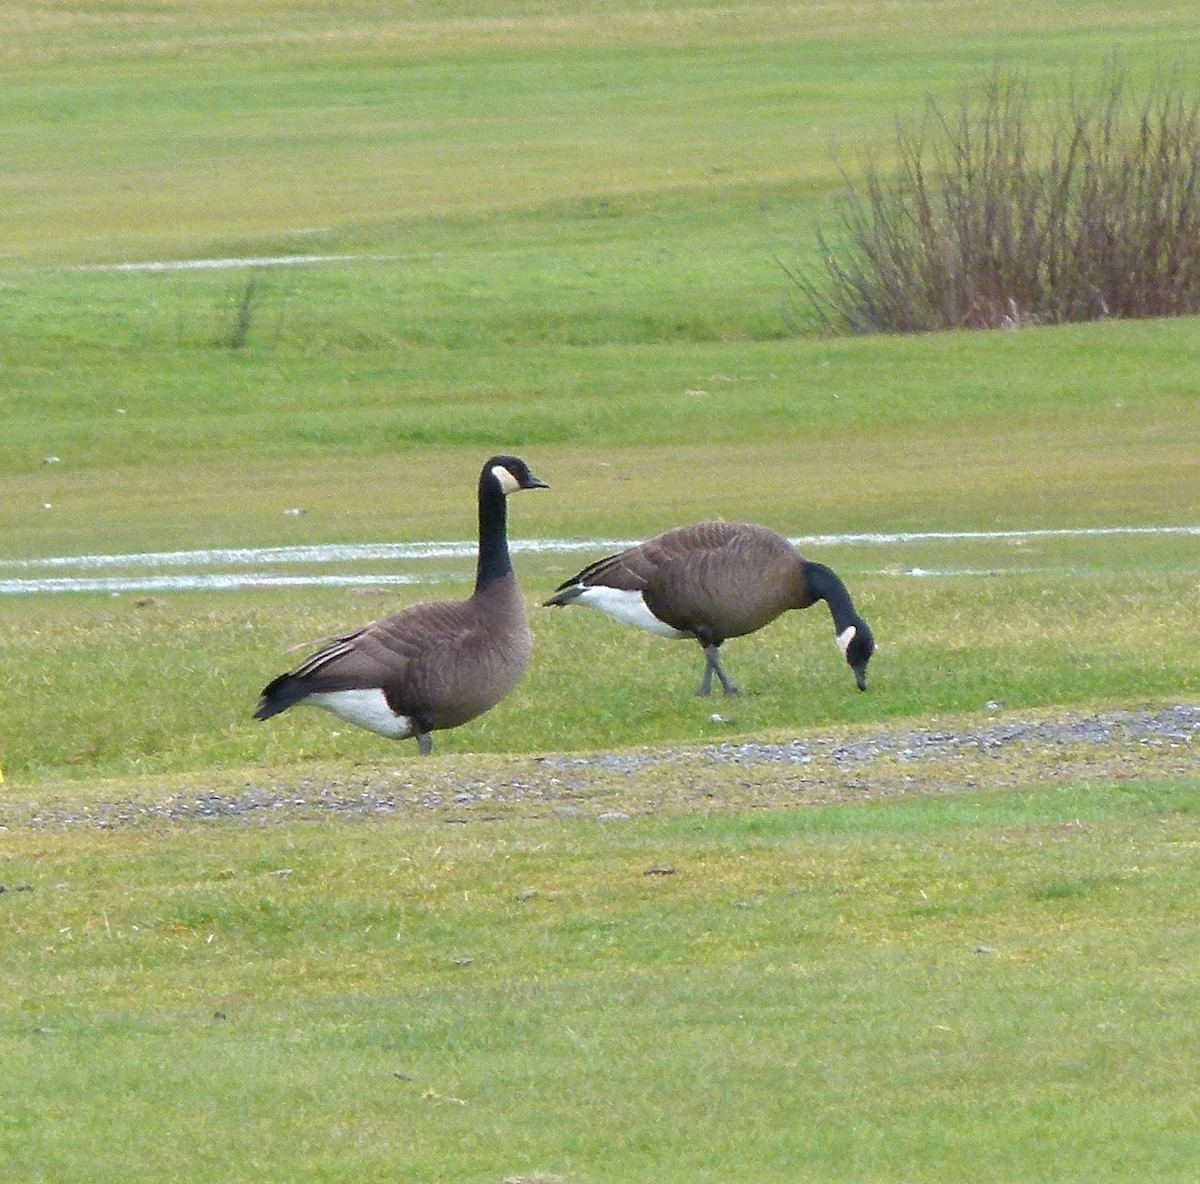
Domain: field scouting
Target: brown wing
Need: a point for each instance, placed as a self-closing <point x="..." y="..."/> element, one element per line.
<point x="723" y="579"/>
<point x="445" y="661"/>
<point x="382" y="651"/>
<point x="626" y="570"/>
<point x="715" y="579"/>
<point x="633" y="570"/>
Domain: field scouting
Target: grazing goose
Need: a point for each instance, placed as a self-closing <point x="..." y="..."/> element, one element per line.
<point x="713" y="581"/>
<point x="432" y="666"/>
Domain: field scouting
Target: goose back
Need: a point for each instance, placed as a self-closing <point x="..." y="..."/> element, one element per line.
<point x="712" y="579"/>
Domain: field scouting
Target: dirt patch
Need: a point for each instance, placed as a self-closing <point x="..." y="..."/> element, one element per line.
<point x="998" y="751"/>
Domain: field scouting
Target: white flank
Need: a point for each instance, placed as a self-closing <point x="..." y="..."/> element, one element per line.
<point x="844" y="638"/>
<point x="627" y="607"/>
<point x="368" y="709"/>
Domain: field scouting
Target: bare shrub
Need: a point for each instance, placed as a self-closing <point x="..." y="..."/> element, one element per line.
<point x="996" y="219"/>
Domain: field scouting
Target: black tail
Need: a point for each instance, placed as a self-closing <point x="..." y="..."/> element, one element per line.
<point x="280" y="694"/>
<point x="564" y="595"/>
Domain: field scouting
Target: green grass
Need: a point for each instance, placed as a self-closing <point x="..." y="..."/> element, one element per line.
<point x="191" y="126"/>
<point x="182" y="673"/>
<point x="867" y="434"/>
<point x="992" y="986"/>
<point x="625" y="326"/>
<point x="174" y="444"/>
<point x="564" y="221"/>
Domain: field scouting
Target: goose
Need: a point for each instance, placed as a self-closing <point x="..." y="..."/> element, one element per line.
<point x="713" y="581"/>
<point x="436" y="665"/>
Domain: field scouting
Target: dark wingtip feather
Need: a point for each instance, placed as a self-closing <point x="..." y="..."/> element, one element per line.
<point x="563" y="594"/>
<point x="278" y="695"/>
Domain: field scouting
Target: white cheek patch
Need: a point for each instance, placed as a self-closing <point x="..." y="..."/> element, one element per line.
<point x="368" y="709"/>
<point x="508" y="483"/>
<point x="627" y="607"/>
<point x="846" y="636"/>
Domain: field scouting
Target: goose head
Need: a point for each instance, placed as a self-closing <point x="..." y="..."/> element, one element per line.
<point x="512" y="473"/>
<point x="857" y="645"/>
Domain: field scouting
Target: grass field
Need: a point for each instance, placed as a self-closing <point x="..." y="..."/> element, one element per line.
<point x="556" y="229"/>
<point x="987" y="987"/>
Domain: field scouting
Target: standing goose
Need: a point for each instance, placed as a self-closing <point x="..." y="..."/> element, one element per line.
<point x="432" y="666"/>
<point x="713" y="581"/>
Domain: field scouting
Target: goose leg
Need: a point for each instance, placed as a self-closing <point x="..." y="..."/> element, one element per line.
<point x="712" y="664"/>
<point x="424" y="743"/>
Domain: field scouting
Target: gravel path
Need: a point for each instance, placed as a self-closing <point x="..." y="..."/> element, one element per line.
<point x="998" y="751"/>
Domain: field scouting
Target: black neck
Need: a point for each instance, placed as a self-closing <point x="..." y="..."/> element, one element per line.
<point x="494" y="562"/>
<point x="825" y="585"/>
